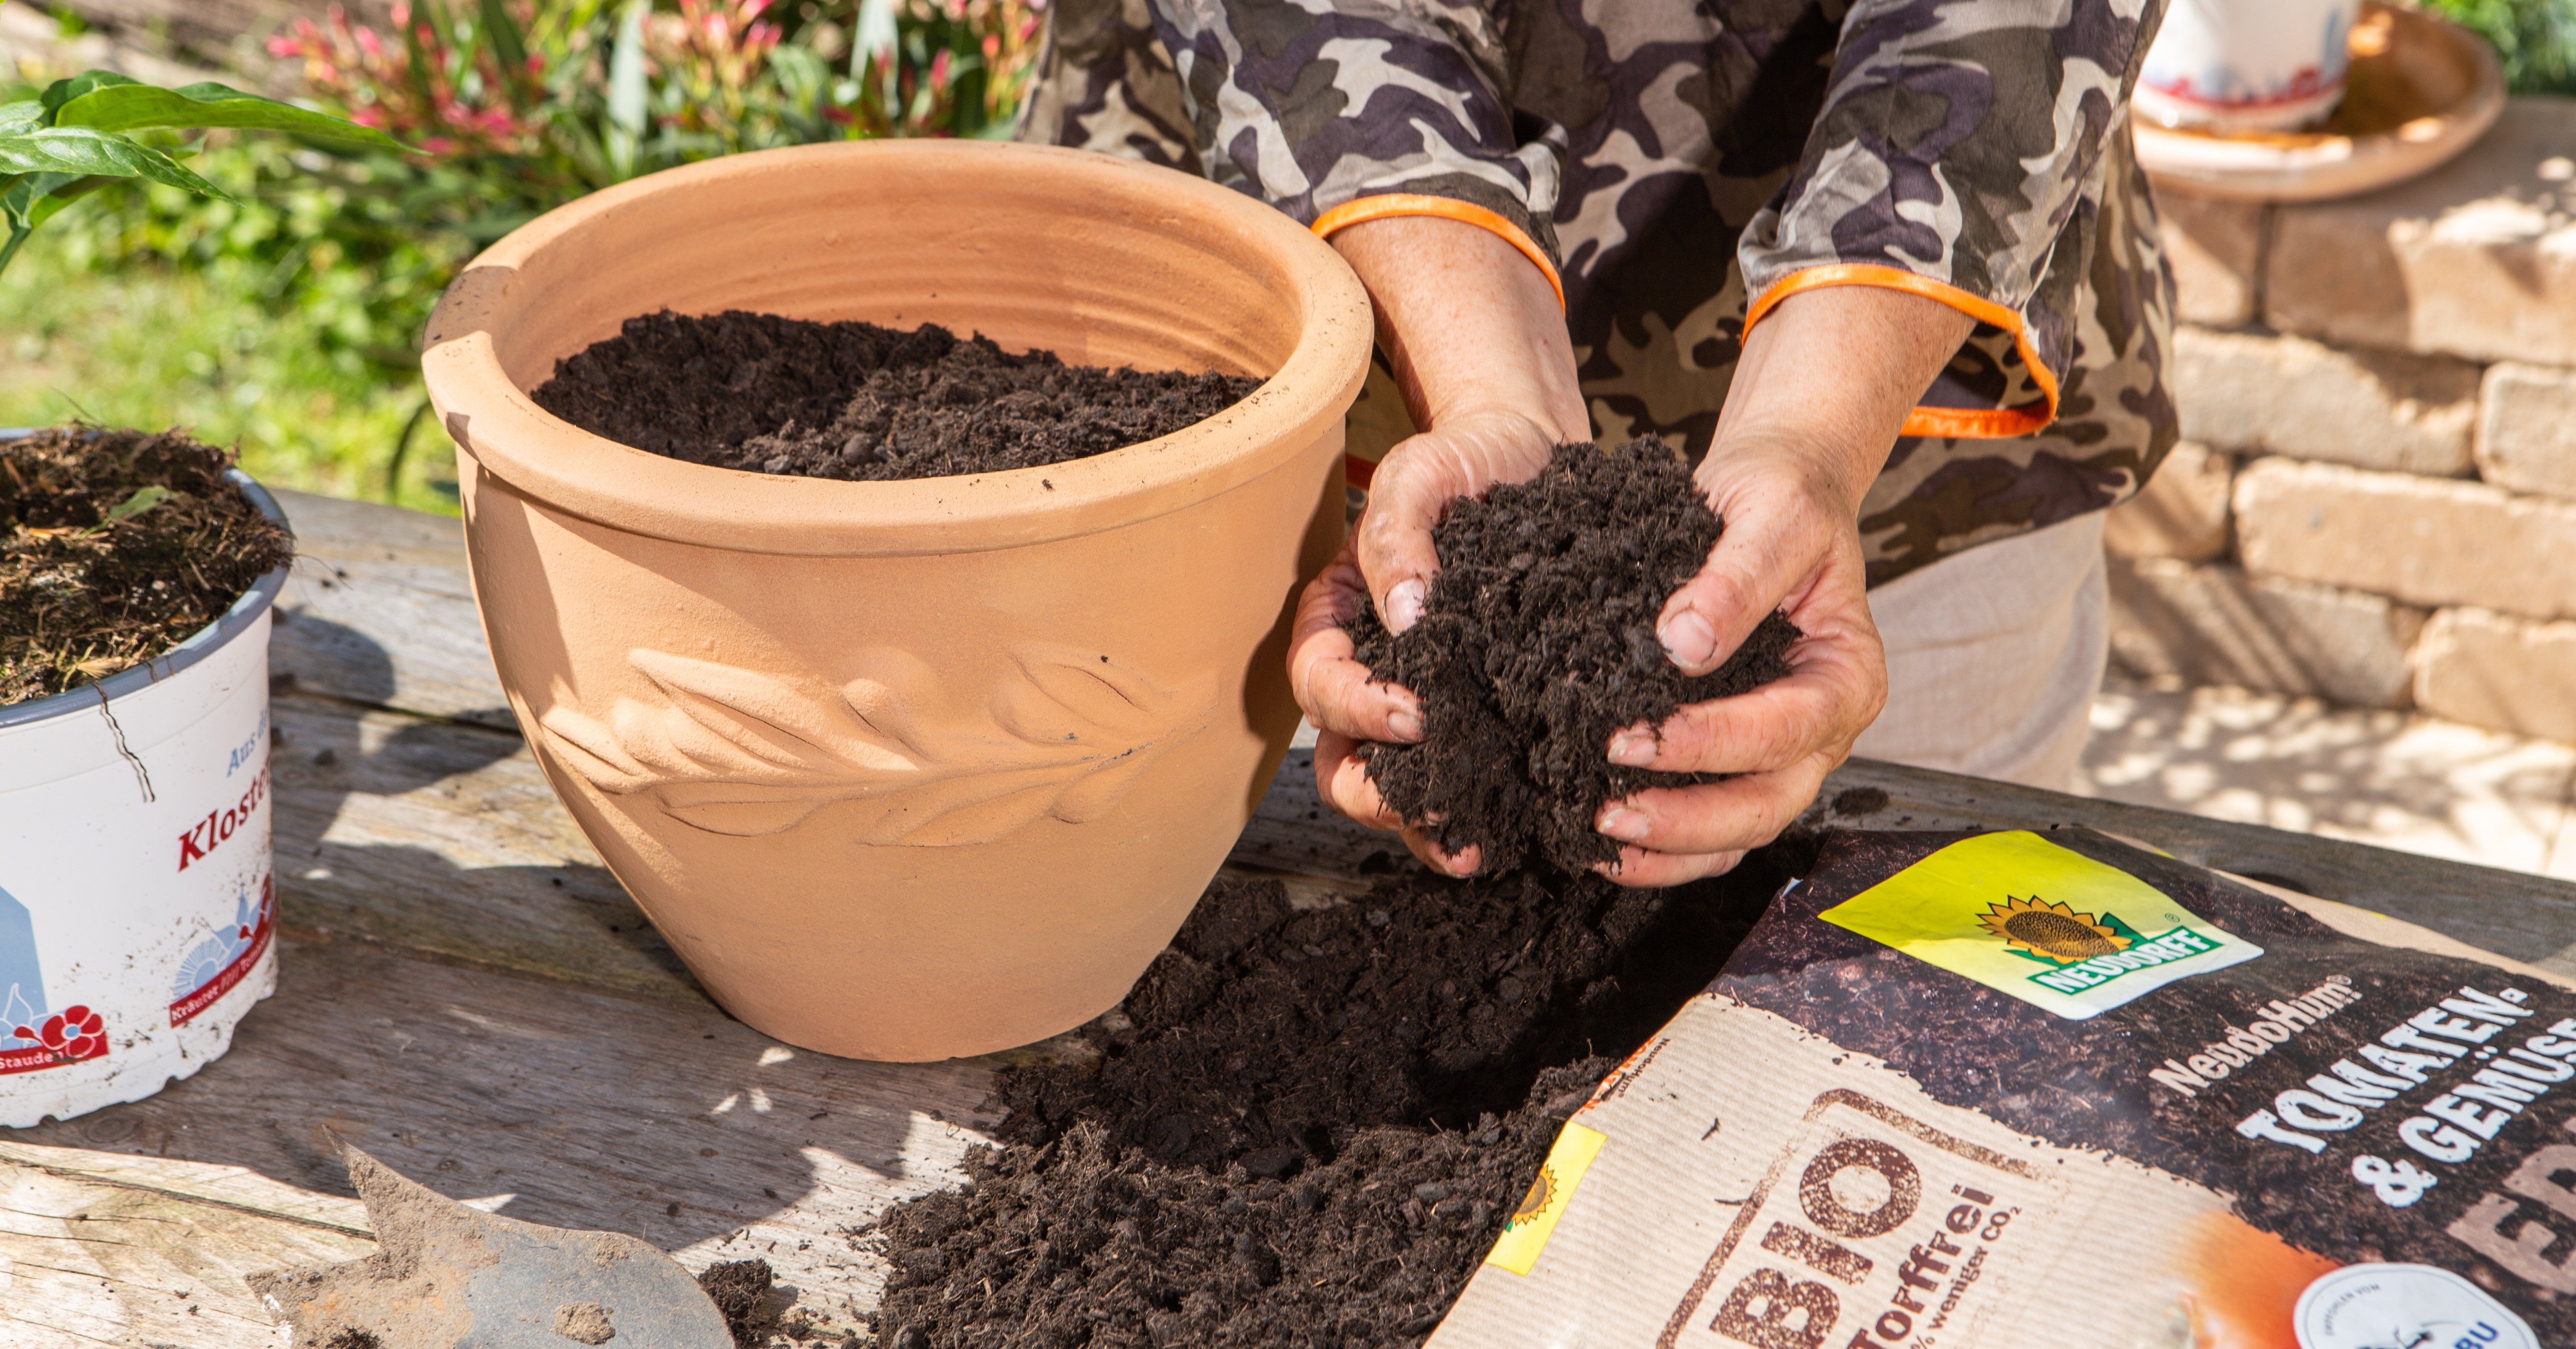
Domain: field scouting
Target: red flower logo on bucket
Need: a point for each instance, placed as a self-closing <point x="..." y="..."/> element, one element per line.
<point x="68" y="1036"/>
<point x="75" y="1032"/>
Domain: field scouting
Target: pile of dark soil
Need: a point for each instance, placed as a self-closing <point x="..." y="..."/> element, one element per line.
<point x="1537" y="643"/>
<point x="740" y="1290"/>
<point x="767" y="394"/>
<point x="1318" y="1120"/>
<point x="114" y="547"/>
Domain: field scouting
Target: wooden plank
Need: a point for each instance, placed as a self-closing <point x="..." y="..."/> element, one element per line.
<point x="85" y="1262"/>
<point x="379" y="610"/>
<point x="560" y="1105"/>
<point x="445" y="839"/>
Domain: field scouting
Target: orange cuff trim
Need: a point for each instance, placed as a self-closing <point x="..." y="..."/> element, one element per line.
<point x="1946" y="423"/>
<point x="1352" y="212"/>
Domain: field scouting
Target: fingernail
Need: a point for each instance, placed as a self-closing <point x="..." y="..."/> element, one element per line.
<point x="1628" y="826"/>
<point x="1688" y="639"/>
<point x="1404" y="605"/>
<point x="1632" y="749"/>
<point x="1406" y="726"/>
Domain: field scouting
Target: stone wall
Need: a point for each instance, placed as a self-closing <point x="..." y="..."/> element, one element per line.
<point x="2375" y="501"/>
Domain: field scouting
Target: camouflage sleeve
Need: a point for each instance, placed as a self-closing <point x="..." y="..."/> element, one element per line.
<point x="1312" y="105"/>
<point x="1104" y="83"/>
<point x="1962" y="142"/>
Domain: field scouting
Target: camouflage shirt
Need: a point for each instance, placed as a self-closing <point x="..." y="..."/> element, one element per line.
<point x="1681" y="159"/>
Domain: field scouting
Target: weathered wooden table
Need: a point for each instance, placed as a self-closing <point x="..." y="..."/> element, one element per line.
<point x="467" y="994"/>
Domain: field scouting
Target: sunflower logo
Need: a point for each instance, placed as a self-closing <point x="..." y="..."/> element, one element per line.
<point x="1542" y="1192"/>
<point x="2052" y="930"/>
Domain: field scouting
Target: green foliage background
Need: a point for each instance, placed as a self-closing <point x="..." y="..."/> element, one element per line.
<point x="2536" y="38"/>
<point x="289" y="322"/>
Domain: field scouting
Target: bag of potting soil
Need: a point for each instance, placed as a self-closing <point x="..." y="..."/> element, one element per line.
<point x="2012" y="1092"/>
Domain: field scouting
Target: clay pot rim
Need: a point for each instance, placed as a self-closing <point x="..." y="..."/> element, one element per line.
<point x="541" y="456"/>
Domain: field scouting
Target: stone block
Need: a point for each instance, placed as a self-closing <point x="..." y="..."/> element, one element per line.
<point x="2492" y="670"/>
<point x="2181" y="513"/>
<point x="2475" y="259"/>
<point x="2391" y="410"/>
<point x="2218" y="625"/>
<point x="2216" y="248"/>
<point x="2527" y="429"/>
<point x="2427" y="541"/>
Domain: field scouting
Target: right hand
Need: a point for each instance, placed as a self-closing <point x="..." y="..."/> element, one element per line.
<point x="1480" y="351"/>
<point x="1388" y="558"/>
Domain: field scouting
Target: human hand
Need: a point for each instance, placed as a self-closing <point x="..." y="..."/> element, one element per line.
<point x="1388" y="560"/>
<point x="1481" y="354"/>
<point x="1822" y="390"/>
<point x="1790" y="544"/>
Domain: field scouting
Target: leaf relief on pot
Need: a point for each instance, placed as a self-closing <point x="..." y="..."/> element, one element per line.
<point x="924" y="760"/>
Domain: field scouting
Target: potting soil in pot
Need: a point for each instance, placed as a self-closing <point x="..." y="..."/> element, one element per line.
<point x="1537" y="643"/>
<point x="767" y="394"/>
<point x="1316" y="1125"/>
<point x="115" y="545"/>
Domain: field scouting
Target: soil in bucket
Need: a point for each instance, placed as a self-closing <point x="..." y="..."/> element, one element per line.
<point x="1537" y="643"/>
<point x="767" y="394"/>
<point x="116" y="545"/>
<point x="1309" y="1122"/>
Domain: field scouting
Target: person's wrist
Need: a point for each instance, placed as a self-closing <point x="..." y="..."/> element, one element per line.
<point x="1830" y="470"/>
<point x="1469" y="325"/>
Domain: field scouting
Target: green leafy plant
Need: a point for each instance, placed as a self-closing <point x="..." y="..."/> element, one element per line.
<point x="97" y="129"/>
<point x="2536" y="39"/>
<point x="512" y="108"/>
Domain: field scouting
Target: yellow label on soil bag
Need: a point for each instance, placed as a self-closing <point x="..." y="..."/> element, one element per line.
<point x="1525" y="1233"/>
<point x="2049" y="926"/>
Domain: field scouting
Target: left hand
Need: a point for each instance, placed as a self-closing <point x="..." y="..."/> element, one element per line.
<point x="1821" y="393"/>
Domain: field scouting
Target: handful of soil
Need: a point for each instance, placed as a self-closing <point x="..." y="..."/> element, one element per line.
<point x="114" y="547"/>
<point x="1318" y="1121"/>
<point x="1537" y="643"/>
<point x="855" y="401"/>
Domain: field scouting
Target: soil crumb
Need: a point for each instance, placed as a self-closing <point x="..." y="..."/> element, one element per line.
<point x="1854" y="802"/>
<point x="766" y="394"/>
<point x="354" y="1338"/>
<point x="116" y="545"/>
<point x="1537" y="643"/>
<point x="1314" y="1122"/>
<point x="740" y="1290"/>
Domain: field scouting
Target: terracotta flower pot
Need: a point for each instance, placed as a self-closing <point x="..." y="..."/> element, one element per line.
<point x="908" y="770"/>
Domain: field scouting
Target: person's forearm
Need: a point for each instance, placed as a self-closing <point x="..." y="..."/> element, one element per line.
<point x="1470" y="325"/>
<point x="1830" y="375"/>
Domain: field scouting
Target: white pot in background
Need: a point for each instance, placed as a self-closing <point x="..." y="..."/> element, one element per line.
<point x="2247" y="65"/>
<point x="137" y="916"/>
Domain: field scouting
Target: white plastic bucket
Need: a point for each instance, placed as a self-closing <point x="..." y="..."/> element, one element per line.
<point x="2247" y="65"/>
<point x="137" y="913"/>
